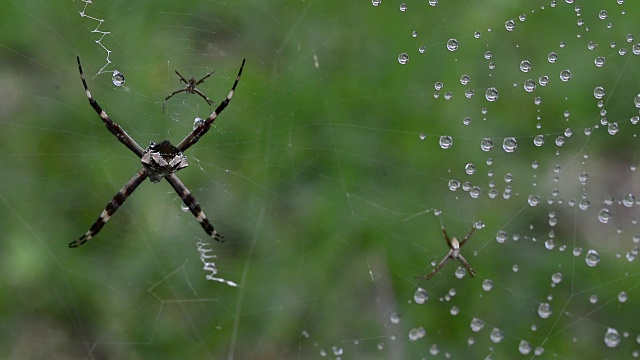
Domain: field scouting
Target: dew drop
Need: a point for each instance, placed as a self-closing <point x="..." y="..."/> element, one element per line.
<point x="599" y="61"/>
<point x="197" y="122"/>
<point x="556" y="278"/>
<point x="486" y="144"/>
<point x="452" y="45"/>
<point x="612" y="338"/>
<point x="496" y="335"/>
<point x="423" y="136"/>
<point x="544" y="310"/>
<point x="552" y="57"/>
<point x="487" y="285"/>
<point x="604" y="215"/>
<point x="509" y="144"/>
<point x="534" y="200"/>
<point x="184" y="207"/>
<point x="593" y="258"/>
<point x="454" y="185"/>
<point x="565" y="75"/>
<point x="446" y="142"/>
<point x="395" y="318"/>
<point x="376" y="2"/>
<point x="416" y="334"/>
<point x="420" y="296"/>
<point x="525" y="66"/>
<point x="470" y="169"/>
<point x="524" y="347"/>
<point x="403" y="58"/>
<point x="403" y="7"/>
<point x="538" y="140"/>
<point x="477" y="324"/>
<point x="612" y="128"/>
<point x="117" y="78"/>
<point x="491" y="94"/>
<point x="623" y="297"/>
<point x="598" y="92"/>
<point x="529" y="85"/>
<point x="510" y="25"/>
<point x="465" y="79"/>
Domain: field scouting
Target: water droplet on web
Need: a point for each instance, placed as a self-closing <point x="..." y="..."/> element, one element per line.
<point x="603" y="14"/>
<point x="524" y="347"/>
<point x="538" y="140"/>
<point x="454" y="185"/>
<point x="422" y="49"/>
<point x="491" y="94"/>
<point x="593" y="299"/>
<point x="433" y="2"/>
<point x="629" y="200"/>
<point x="560" y="140"/>
<point x="454" y="310"/>
<point x="376" y="2"/>
<point x="486" y="144"/>
<point x="470" y="169"/>
<point x="534" y="200"/>
<point x="598" y="92"/>
<point x="612" y="338"/>
<point x="509" y="144"/>
<point x="604" y="215"/>
<point x="197" y="122"/>
<point x="525" y="66"/>
<point x="599" y="61"/>
<point x="544" y="310"/>
<point x="529" y="85"/>
<point x="416" y="334"/>
<point x="496" y="335"/>
<point x="414" y="34"/>
<point x="475" y="192"/>
<point x="565" y="75"/>
<point x="612" y="128"/>
<point x="395" y="318"/>
<point x="420" y="296"/>
<point x="403" y="58"/>
<point x="117" y="78"/>
<point x="556" y="278"/>
<point x="465" y="79"/>
<point x="509" y="25"/>
<point x="403" y="7"/>
<point x="487" y="285"/>
<point x="445" y="142"/>
<point x="184" y="207"/>
<point x="501" y="236"/>
<point x="623" y="297"/>
<point x="423" y="136"/>
<point x="452" y="45"/>
<point x="636" y="101"/>
<point x="593" y="258"/>
<point x="477" y="324"/>
<point x="552" y="57"/>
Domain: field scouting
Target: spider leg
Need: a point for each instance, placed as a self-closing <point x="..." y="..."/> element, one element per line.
<point x="202" y="129"/>
<point x="466" y="265"/>
<point x="473" y="228"/>
<point x="181" y="77"/>
<point x="111" y="208"/>
<point x="203" y="79"/>
<point x="113" y="127"/>
<point x="438" y="267"/>
<point x="444" y="231"/>
<point x="193" y="205"/>
<point x="202" y="95"/>
<point x="164" y="104"/>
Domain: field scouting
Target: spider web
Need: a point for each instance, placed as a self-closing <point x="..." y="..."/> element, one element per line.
<point x="352" y="126"/>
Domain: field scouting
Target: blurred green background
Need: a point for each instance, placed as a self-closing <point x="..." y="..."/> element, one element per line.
<point x="318" y="179"/>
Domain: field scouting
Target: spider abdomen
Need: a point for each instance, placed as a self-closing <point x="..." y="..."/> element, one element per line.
<point x="162" y="159"/>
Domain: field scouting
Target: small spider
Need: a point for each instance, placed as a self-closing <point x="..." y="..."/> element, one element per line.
<point x="454" y="253"/>
<point x="190" y="88"/>
<point x="159" y="161"/>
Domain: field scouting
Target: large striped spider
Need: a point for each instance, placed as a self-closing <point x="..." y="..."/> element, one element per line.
<point x="159" y="161"/>
<point x="454" y="253"/>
